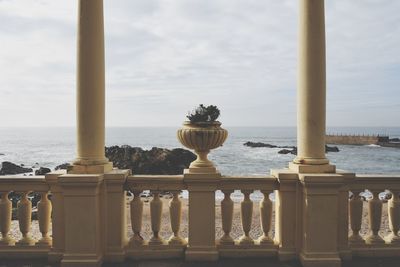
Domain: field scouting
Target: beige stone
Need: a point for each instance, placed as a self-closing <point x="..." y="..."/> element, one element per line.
<point x="201" y="187"/>
<point x="83" y="219"/>
<point x="311" y="90"/>
<point x="90" y="90"/>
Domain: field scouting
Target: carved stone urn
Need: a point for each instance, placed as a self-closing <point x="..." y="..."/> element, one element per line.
<point x="202" y="137"/>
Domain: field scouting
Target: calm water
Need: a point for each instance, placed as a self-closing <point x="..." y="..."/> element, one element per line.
<point x="52" y="146"/>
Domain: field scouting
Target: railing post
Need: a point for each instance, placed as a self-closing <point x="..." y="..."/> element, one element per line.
<point x="201" y="187"/>
<point x="115" y="215"/>
<point x="323" y="225"/>
<point x="394" y="218"/>
<point x="287" y="215"/>
<point x="343" y="219"/>
<point x="83" y="219"/>
<point x="58" y="223"/>
<point x="24" y="207"/>
<point x="5" y="220"/>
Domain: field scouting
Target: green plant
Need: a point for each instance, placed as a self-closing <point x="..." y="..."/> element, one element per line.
<point x="204" y="114"/>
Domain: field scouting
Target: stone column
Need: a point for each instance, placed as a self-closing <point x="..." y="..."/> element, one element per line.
<point x="311" y="90"/>
<point x="90" y="90"/>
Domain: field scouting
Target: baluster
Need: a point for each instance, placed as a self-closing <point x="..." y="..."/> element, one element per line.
<point x="136" y="219"/>
<point x="25" y="218"/>
<point x="5" y="220"/>
<point x="375" y="215"/>
<point x="246" y="216"/>
<point x="227" y="218"/>
<point x="355" y="212"/>
<point x="394" y="218"/>
<point x="44" y="217"/>
<point x="266" y="219"/>
<point x="175" y="211"/>
<point x="155" y="214"/>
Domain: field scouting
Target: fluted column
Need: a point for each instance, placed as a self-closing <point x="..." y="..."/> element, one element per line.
<point x="311" y="89"/>
<point x="90" y="90"/>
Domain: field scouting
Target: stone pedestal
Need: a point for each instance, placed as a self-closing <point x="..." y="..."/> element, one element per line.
<point x="201" y="187"/>
<point x="83" y="219"/>
<point x="58" y="224"/>
<point x="115" y="215"/>
<point x="320" y="219"/>
<point x="287" y="214"/>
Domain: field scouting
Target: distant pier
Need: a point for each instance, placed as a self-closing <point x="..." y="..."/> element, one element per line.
<point x="346" y="139"/>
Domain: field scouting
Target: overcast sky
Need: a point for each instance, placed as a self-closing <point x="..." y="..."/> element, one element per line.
<point x="163" y="57"/>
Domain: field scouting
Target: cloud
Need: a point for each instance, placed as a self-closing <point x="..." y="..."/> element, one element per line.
<point x="165" y="56"/>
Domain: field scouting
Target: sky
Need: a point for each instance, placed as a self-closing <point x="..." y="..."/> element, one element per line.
<point x="164" y="57"/>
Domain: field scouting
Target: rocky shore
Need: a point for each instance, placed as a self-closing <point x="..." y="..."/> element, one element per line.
<point x="140" y="161"/>
<point x="286" y="149"/>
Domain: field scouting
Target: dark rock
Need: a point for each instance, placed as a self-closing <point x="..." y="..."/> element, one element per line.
<point x="293" y="151"/>
<point x="154" y="161"/>
<point x="288" y="151"/>
<point x="8" y="168"/>
<point x="63" y="166"/>
<point x="42" y="171"/>
<point x="258" y="144"/>
<point x="331" y="149"/>
<point x="2" y="154"/>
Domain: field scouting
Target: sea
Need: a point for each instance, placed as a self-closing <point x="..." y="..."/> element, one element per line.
<point x="49" y="147"/>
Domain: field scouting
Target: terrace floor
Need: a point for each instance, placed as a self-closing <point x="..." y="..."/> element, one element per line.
<point x="365" y="262"/>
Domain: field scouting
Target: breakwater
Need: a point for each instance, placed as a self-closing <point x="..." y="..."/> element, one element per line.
<point x="356" y="139"/>
<point x="380" y="140"/>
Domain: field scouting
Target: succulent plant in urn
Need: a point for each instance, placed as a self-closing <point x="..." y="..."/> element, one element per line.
<point x="202" y="132"/>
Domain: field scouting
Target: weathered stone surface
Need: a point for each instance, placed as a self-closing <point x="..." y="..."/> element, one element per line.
<point x="42" y="171"/>
<point x="9" y="168"/>
<point x="154" y="161"/>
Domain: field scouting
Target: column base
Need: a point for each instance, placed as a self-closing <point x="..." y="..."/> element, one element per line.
<point x="83" y="260"/>
<point x="320" y="260"/>
<point x="287" y="254"/>
<point x="308" y="168"/>
<point x="201" y="254"/>
<point x="90" y="169"/>
<point x="199" y="170"/>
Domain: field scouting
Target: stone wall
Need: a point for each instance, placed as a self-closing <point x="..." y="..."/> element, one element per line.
<point x="355" y="139"/>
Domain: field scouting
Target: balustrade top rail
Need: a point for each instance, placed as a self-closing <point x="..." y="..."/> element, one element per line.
<point x="23" y="184"/>
<point x="176" y="182"/>
<point x="378" y="182"/>
<point x="248" y="183"/>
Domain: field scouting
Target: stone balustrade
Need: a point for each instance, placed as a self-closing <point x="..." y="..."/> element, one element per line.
<point x="174" y="246"/>
<point x="245" y="246"/>
<point x="377" y="242"/>
<point x="171" y="243"/>
<point x="26" y="246"/>
<point x="156" y="246"/>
